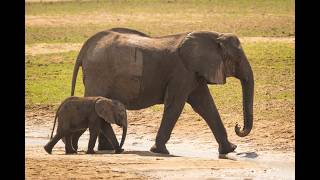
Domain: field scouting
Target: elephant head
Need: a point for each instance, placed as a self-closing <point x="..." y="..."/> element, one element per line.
<point x="214" y="57"/>
<point x="114" y="112"/>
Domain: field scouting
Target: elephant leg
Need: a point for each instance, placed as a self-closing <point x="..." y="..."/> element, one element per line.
<point x="48" y="147"/>
<point x="202" y="103"/>
<point x="109" y="133"/>
<point x="103" y="143"/>
<point x="75" y="138"/>
<point x="94" y="127"/>
<point x="63" y="140"/>
<point x="92" y="141"/>
<point x="173" y="104"/>
<point x="68" y="146"/>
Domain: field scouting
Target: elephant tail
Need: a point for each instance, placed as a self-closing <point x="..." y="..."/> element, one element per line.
<point x="55" y="119"/>
<point x="77" y="65"/>
<point x="54" y="123"/>
<point x="56" y="116"/>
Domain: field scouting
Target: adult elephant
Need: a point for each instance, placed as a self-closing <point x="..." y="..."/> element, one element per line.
<point x="141" y="71"/>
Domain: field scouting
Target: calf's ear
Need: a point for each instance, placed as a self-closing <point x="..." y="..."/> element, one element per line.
<point x="103" y="109"/>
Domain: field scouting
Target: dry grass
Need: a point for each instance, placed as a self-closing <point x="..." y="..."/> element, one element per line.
<point x="74" y="22"/>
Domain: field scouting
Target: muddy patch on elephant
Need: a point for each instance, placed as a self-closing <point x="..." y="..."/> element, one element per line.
<point x="194" y="153"/>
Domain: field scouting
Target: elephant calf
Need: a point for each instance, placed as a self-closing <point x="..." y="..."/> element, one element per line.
<point x="76" y="114"/>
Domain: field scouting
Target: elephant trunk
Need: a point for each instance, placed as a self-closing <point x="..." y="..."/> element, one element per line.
<point x="124" y="134"/>
<point x="247" y="83"/>
<point x="124" y="124"/>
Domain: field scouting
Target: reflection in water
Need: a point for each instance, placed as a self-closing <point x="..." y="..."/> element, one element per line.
<point x="239" y="156"/>
<point x="251" y="155"/>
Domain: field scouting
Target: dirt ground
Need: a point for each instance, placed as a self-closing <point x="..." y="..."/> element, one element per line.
<point x="194" y="153"/>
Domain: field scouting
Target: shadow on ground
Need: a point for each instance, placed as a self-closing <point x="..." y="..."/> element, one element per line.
<point x="251" y="155"/>
<point x="236" y="156"/>
<point x="230" y="156"/>
<point x="148" y="153"/>
<point x="139" y="153"/>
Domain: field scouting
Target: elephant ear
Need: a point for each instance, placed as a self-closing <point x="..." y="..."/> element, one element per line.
<point x="119" y="112"/>
<point x="201" y="53"/>
<point x="103" y="108"/>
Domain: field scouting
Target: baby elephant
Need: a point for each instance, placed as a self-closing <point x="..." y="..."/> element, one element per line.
<point x="76" y="114"/>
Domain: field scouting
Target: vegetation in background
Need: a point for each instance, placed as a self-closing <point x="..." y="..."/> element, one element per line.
<point x="48" y="76"/>
<point x="75" y="21"/>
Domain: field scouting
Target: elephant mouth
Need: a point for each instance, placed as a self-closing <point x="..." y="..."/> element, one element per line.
<point x="214" y="82"/>
<point x="215" y="78"/>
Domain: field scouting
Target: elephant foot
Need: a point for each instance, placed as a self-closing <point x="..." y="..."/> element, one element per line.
<point x="225" y="149"/>
<point x="162" y="150"/>
<point x="118" y="151"/>
<point x="47" y="149"/>
<point x="90" y="152"/>
<point x="71" y="151"/>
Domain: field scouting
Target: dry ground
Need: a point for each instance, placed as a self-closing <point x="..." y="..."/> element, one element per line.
<point x="191" y="137"/>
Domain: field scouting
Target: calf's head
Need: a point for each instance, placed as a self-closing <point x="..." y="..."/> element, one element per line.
<point x="114" y="112"/>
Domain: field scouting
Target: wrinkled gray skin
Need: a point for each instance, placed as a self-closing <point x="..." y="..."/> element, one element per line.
<point x="76" y="114"/>
<point x="141" y="71"/>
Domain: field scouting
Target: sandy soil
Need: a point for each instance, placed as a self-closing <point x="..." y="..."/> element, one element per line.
<point x="194" y="153"/>
<point x="45" y="48"/>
